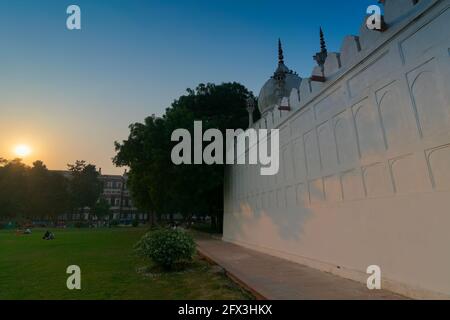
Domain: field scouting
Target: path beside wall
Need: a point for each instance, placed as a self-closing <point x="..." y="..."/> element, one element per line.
<point x="277" y="279"/>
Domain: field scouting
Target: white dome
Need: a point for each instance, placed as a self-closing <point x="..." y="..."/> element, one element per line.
<point x="276" y="88"/>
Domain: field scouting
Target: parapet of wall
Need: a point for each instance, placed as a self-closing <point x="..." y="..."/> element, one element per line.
<point x="364" y="160"/>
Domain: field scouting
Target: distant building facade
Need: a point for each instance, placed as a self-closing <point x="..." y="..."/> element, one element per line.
<point x="117" y="195"/>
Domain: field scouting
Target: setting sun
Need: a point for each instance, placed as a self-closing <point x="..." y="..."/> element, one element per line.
<point x="22" y="150"/>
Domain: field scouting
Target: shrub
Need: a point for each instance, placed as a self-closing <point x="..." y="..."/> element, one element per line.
<point x="135" y="223"/>
<point x="166" y="247"/>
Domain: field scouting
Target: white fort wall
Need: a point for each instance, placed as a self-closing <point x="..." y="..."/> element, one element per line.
<point x="364" y="161"/>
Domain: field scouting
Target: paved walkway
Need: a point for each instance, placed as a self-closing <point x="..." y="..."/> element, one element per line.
<point x="277" y="279"/>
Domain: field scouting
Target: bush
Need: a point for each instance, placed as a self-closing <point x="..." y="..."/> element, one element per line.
<point x="166" y="247"/>
<point x="135" y="224"/>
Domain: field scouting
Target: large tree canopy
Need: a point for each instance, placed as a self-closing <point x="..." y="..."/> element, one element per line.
<point x="85" y="186"/>
<point x="31" y="192"/>
<point x="159" y="185"/>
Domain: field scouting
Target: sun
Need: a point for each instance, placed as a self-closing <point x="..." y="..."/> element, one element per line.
<point x="22" y="150"/>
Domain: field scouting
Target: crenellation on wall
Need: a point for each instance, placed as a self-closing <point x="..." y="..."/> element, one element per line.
<point x="305" y="90"/>
<point x="332" y="64"/>
<point x="294" y="99"/>
<point x="350" y="51"/>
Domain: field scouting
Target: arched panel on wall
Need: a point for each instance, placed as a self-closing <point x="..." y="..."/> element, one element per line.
<point x="290" y="197"/>
<point x="352" y="185"/>
<point x="302" y="196"/>
<point x="316" y="192"/>
<point x="327" y="146"/>
<point x="394" y="116"/>
<point x="312" y="154"/>
<point x="264" y="201"/>
<point x="376" y="180"/>
<point x="333" y="190"/>
<point x="368" y="129"/>
<point x="281" y="200"/>
<point x="302" y="122"/>
<point x="347" y="151"/>
<point x="299" y="160"/>
<point x="255" y="185"/>
<point x="439" y="162"/>
<point x="288" y="168"/>
<point x="272" y="199"/>
<point x="409" y="175"/>
<point x="428" y="95"/>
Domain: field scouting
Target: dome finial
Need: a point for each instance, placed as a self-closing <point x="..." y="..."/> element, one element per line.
<point x="280" y="52"/>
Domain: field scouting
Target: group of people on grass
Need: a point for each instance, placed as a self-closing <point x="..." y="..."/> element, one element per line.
<point x="47" y="236"/>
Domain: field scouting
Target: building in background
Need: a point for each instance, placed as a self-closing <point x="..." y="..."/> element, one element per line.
<point x="116" y="193"/>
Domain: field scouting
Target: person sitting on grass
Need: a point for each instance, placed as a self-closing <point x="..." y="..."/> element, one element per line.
<point x="48" y="236"/>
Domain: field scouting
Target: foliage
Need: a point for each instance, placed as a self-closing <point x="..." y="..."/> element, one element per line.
<point x="31" y="191"/>
<point x="159" y="185"/>
<point x="38" y="193"/>
<point x="101" y="208"/>
<point x="166" y="247"/>
<point x="14" y="189"/>
<point x="85" y="186"/>
<point x="135" y="223"/>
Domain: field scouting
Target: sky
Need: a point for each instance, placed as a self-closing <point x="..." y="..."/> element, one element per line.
<point x="69" y="94"/>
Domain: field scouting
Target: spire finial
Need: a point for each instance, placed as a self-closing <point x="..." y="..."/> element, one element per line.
<point x="323" y="46"/>
<point x="280" y="52"/>
<point x="321" y="56"/>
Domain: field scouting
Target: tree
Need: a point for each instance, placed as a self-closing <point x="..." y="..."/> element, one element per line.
<point x="38" y="191"/>
<point x="48" y="193"/>
<point x="59" y="197"/>
<point x="31" y="193"/>
<point x="101" y="209"/>
<point x="14" y="189"/>
<point x="155" y="182"/>
<point x="85" y="185"/>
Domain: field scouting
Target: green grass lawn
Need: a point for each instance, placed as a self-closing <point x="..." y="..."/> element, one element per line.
<point x="32" y="268"/>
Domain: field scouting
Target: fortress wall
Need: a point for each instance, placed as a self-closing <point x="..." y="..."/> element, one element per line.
<point x="364" y="162"/>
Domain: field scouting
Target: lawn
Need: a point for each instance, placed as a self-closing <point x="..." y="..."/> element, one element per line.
<point x="32" y="268"/>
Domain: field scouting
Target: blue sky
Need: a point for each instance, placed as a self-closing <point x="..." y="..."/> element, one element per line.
<point x="70" y="94"/>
